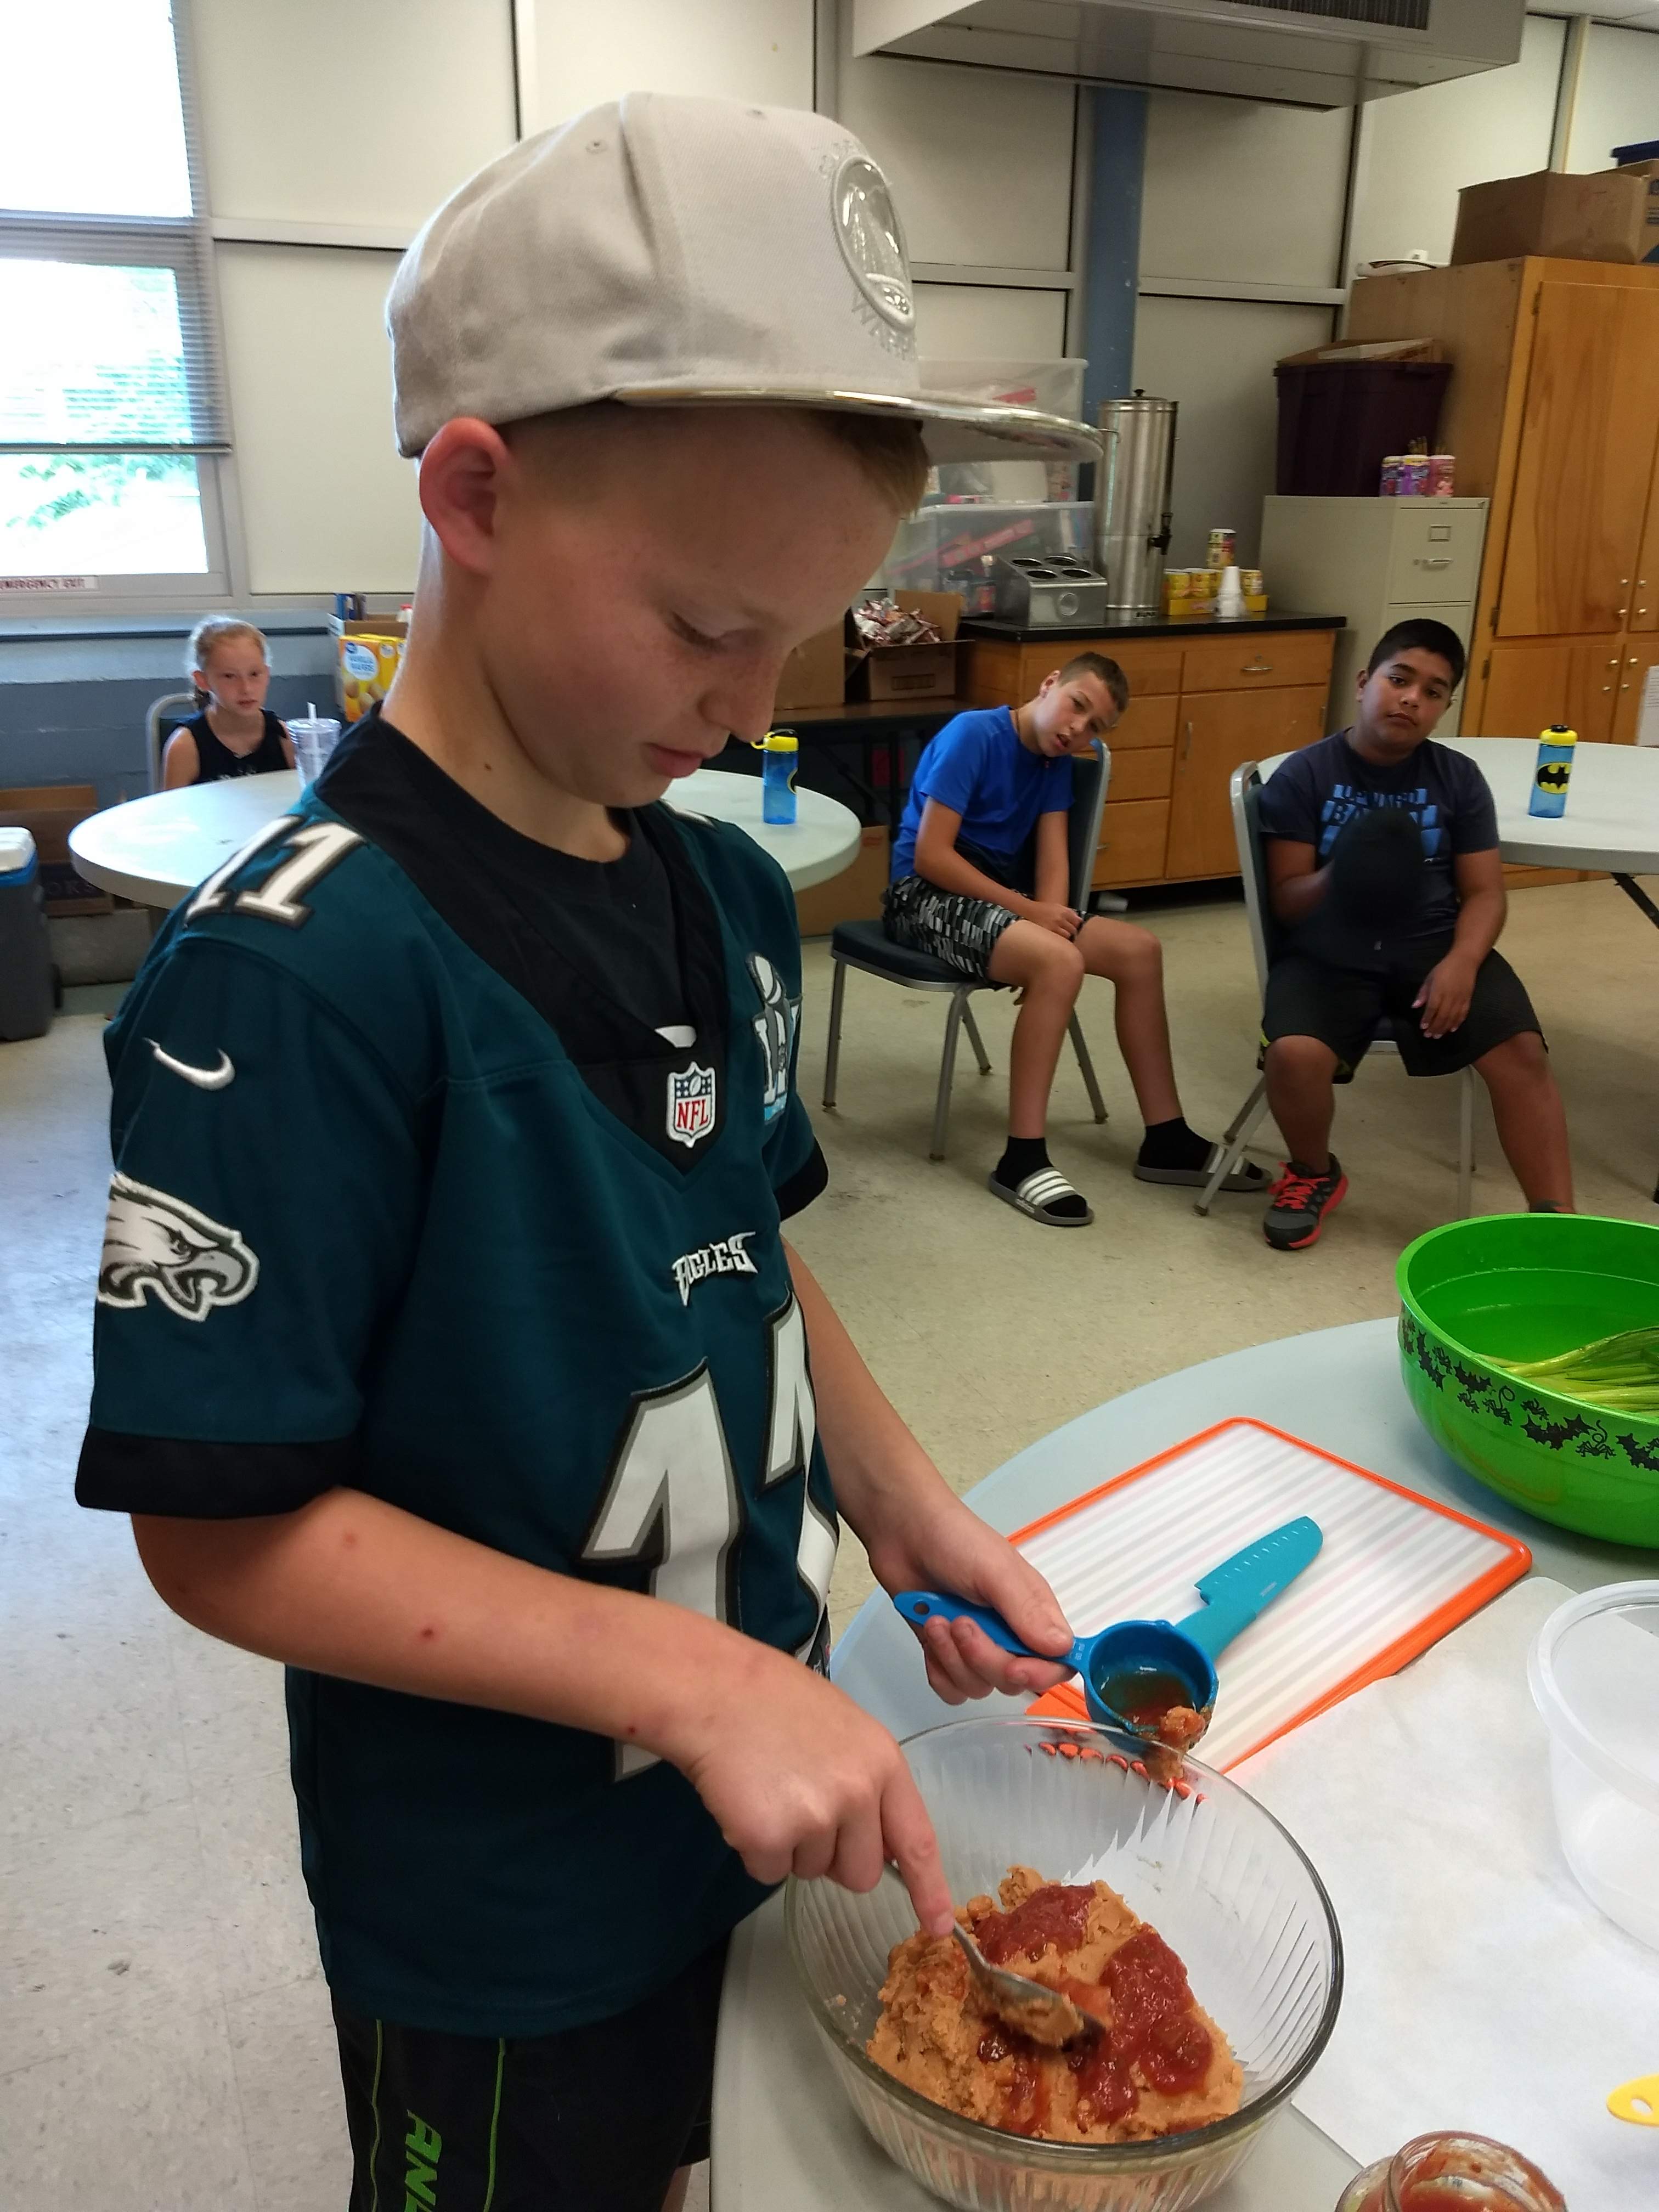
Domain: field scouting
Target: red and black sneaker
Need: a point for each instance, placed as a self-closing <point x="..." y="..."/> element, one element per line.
<point x="1300" y="1203"/>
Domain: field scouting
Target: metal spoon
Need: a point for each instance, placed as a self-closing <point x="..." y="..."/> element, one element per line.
<point x="1028" y="2006"/>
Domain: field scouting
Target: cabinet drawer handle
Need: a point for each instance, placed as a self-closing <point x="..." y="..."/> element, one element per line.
<point x="1256" y="667"/>
<point x="1188" y="747"/>
<point x="1440" y="561"/>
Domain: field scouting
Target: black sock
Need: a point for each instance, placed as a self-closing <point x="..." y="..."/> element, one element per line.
<point x="1173" y="1144"/>
<point x="1026" y="1156"/>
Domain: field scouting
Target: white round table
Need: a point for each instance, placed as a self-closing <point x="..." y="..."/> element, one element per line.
<point x="1612" y="820"/>
<point x="156" y="849"/>
<point x="784" y="2133"/>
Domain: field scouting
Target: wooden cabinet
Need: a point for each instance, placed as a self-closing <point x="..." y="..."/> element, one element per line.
<point x="1552" y="411"/>
<point x="1219" y="729"/>
<point x="1133" y="836"/>
<point x="1531" y="686"/>
<point x="1641" y="655"/>
<point x="1198" y="705"/>
<point x="1587" y="438"/>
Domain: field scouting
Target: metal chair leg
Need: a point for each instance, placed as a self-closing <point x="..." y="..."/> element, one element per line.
<point x="1465" y="1144"/>
<point x="947" y="1068"/>
<point x="1238" y="1133"/>
<point x="832" y="1050"/>
<point x="1074" y="1029"/>
<point x="974" y="1039"/>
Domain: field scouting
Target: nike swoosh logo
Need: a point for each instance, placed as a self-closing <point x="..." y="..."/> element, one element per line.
<point x="205" y="1078"/>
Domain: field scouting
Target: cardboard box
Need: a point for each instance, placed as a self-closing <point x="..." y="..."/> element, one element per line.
<point x="49" y="811"/>
<point x="1601" y="217"/>
<point x="1351" y="349"/>
<point x="814" y="674"/>
<point x="914" y="671"/>
<point x="853" y="896"/>
<point x="1648" y="172"/>
<point x="366" y="657"/>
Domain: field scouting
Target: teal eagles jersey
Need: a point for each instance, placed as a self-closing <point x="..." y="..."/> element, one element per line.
<point x="371" y="1225"/>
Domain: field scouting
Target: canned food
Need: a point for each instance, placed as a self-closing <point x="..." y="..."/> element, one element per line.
<point x="1391" y="485"/>
<point x="1223" y="548"/>
<point x="1442" y="469"/>
<point x="1414" y="475"/>
<point x="1250" y="582"/>
<point x="1177" y="584"/>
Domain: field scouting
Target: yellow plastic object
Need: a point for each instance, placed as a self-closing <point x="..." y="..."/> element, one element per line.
<point x="1637" y="2100"/>
<point x="776" y="741"/>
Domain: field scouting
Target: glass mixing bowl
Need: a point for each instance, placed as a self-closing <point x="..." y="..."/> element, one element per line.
<point x="1215" y="1874"/>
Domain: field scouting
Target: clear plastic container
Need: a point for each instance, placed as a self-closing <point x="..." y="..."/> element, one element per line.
<point x="1213" y="1872"/>
<point x="1594" y="1669"/>
<point x="952" y="547"/>
<point x="1052" y="387"/>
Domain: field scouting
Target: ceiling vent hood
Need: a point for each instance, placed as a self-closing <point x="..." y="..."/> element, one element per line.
<point x="1305" y="53"/>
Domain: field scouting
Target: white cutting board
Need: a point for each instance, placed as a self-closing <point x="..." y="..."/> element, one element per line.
<point x="1395" y="1573"/>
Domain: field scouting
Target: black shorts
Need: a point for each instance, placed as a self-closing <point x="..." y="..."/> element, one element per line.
<point x="595" y="2119"/>
<point x="949" y="926"/>
<point x="1342" y="1006"/>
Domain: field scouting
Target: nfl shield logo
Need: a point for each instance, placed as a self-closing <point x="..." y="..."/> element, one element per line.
<point x="690" y="1103"/>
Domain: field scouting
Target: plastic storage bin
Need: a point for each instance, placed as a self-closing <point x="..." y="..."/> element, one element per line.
<point x="1052" y="387"/>
<point x="26" y="983"/>
<point x="953" y="548"/>
<point x="1339" y="421"/>
<point x="1593" y="1671"/>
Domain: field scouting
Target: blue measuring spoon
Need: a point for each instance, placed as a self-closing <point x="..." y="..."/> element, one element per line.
<point x="1139" y="1663"/>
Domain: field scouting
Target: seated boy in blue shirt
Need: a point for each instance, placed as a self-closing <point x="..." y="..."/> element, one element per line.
<point x="1386" y="883"/>
<point x="980" y="880"/>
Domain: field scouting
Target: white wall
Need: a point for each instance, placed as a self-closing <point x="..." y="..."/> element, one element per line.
<point x="327" y="503"/>
<point x="575" y="53"/>
<point x="1238" y="189"/>
<point x="1618" y="102"/>
<point x="1418" y="148"/>
<point x="1216" y="358"/>
<point x="344" y="112"/>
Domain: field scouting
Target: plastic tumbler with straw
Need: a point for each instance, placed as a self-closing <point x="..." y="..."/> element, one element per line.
<point x="315" y="736"/>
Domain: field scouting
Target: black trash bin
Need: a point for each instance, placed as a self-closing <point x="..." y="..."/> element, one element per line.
<point x="1339" y="420"/>
<point x="25" y="988"/>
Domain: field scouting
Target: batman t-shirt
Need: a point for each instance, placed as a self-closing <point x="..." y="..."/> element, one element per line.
<point x="1313" y="794"/>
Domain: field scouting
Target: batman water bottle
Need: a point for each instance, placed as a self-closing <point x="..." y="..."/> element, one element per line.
<point x="1549" y="777"/>
<point x="779" y="753"/>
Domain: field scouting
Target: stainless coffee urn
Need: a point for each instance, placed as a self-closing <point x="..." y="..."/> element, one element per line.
<point x="1132" y="509"/>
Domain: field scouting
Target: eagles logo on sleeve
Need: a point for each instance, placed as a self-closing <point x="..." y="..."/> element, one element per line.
<point x="156" y="1243"/>
<point x="775" y="1026"/>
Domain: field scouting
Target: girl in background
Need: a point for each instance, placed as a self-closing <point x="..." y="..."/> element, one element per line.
<point x="234" y="734"/>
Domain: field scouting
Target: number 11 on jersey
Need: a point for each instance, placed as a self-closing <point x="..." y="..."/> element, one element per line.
<point x="673" y="1492"/>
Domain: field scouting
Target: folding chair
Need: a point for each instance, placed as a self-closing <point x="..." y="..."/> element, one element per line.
<point x="163" y="718"/>
<point x="866" y="945"/>
<point x="1245" y="792"/>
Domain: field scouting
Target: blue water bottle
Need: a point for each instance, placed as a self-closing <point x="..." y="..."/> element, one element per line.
<point x="1554" y="768"/>
<point x="780" y="752"/>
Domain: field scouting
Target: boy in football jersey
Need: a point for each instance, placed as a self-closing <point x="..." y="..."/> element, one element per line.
<point x="448" y="1348"/>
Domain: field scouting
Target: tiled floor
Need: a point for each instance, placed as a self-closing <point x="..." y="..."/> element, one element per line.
<point x="164" y="2035"/>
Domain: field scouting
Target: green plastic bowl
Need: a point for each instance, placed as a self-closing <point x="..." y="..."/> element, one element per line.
<point x="1526" y="1286"/>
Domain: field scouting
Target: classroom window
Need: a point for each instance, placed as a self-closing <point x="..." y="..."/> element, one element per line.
<point x="111" y="402"/>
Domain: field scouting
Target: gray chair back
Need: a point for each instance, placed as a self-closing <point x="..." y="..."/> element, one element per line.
<point x="1090" y="773"/>
<point x="173" y="708"/>
<point x="1245" y="792"/>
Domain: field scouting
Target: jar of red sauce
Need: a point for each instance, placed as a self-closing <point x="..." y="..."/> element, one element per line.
<point x="1452" y="2173"/>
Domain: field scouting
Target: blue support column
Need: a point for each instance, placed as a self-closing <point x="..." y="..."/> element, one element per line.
<point x="1116" y="119"/>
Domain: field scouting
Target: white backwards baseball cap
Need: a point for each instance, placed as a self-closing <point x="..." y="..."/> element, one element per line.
<point x="679" y="252"/>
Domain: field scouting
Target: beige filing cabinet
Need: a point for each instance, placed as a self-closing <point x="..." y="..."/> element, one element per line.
<point x="1382" y="561"/>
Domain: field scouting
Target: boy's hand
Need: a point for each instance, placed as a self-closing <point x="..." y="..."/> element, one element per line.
<point x="1053" y="914"/>
<point x="803" y="1782"/>
<point x="1445" y="994"/>
<point x="944" y="1545"/>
